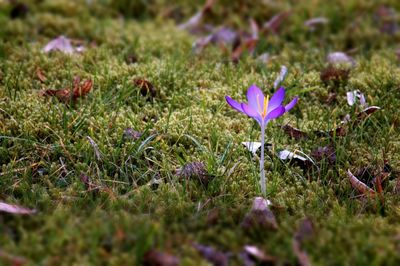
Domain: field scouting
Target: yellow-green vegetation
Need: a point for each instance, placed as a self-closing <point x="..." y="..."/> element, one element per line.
<point x="44" y="145"/>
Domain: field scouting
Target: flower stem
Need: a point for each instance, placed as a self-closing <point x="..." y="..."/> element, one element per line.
<point x="262" y="172"/>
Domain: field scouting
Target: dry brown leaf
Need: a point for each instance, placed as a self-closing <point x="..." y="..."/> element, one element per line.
<point x="157" y="258"/>
<point x="215" y="257"/>
<point x="67" y="95"/>
<point x="305" y="231"/>
<point x="260" y="216"/>
<point x="208" y="5"/>
<point x="146" y="88"/>
<point x="337" y="132"/>
<point x="313" y="23"/>
<point x="194" y="22"/>
<point x="248" y="45"/>
<point x="275" y="23"/>
<point x="333" y="74"/>
<point x="361" y="187"/>
<point x="364" y="114"/>
<point x="40" y="75"/>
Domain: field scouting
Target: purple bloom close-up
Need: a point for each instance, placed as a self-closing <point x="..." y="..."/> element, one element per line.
<point x="261" y="108"/>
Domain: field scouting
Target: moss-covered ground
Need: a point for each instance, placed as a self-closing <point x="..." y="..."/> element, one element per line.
<point x="45" y="149"/>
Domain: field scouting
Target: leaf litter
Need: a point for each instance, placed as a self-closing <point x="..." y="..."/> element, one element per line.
<point x="15" y="209"/>
<point x="62" y="44"/>
<point x="215" y="257"/>
<point x="157" y="258"/>
<point x="305" y="231"/>
<point x="260" y="216"/>
<point x="67" y="95"/>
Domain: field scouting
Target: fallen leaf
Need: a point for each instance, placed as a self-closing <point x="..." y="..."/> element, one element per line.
<point x="337" y="132"/>
<point x="294" y="132"/>
<point x="201" y="43"/>
<point x="304" y="231"/>
<point x="340" y="58"/>
<point x="364" y="114"/>
<point x="67" y="95"/>
<point x="146" y="88"/>
<point x="281" y="77"/>
<point x="196" y="19"/>
<point x="254" y="29"/>
<point x="327" y="152"/>
<point x="195" y="170"/>
<point x="313" y="23"/>
<point x="15" y="209"/>
<point x="275" y="23"/>
<point x="158" y="258"/>
<point x="260" y="216"/>
<point x="252" y="146"/>
<point x="208" y="5"/>
<point x="247" y="45"/>
<point x="40" y="75"/>
<point x="61" y="44"/>
<point x="255" y="146"/>
<point x="193" y="22"/>
<point x="215" y="257"/>
<point x="259" y="256"/>
<point x="12" y="259"/>
<point x="223" y="37"/>
<point x="361" y="187"/>
<point x="333" y="74"/>
<point x="295" y="159"/>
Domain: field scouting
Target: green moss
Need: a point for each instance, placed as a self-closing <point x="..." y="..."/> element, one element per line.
<point x="44" y="144"/>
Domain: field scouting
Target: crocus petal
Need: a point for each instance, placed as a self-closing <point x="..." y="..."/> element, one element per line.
<point x="235" y="105"/>
<point x="251" y="112"/>
<point x="291" y="104"/>
<point x="255" y="102"/>
<point x="277" y="112"/>
<point x="276" y="99"/>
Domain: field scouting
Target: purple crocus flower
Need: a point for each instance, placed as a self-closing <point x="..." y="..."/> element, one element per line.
<point x="262" y="109"/>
